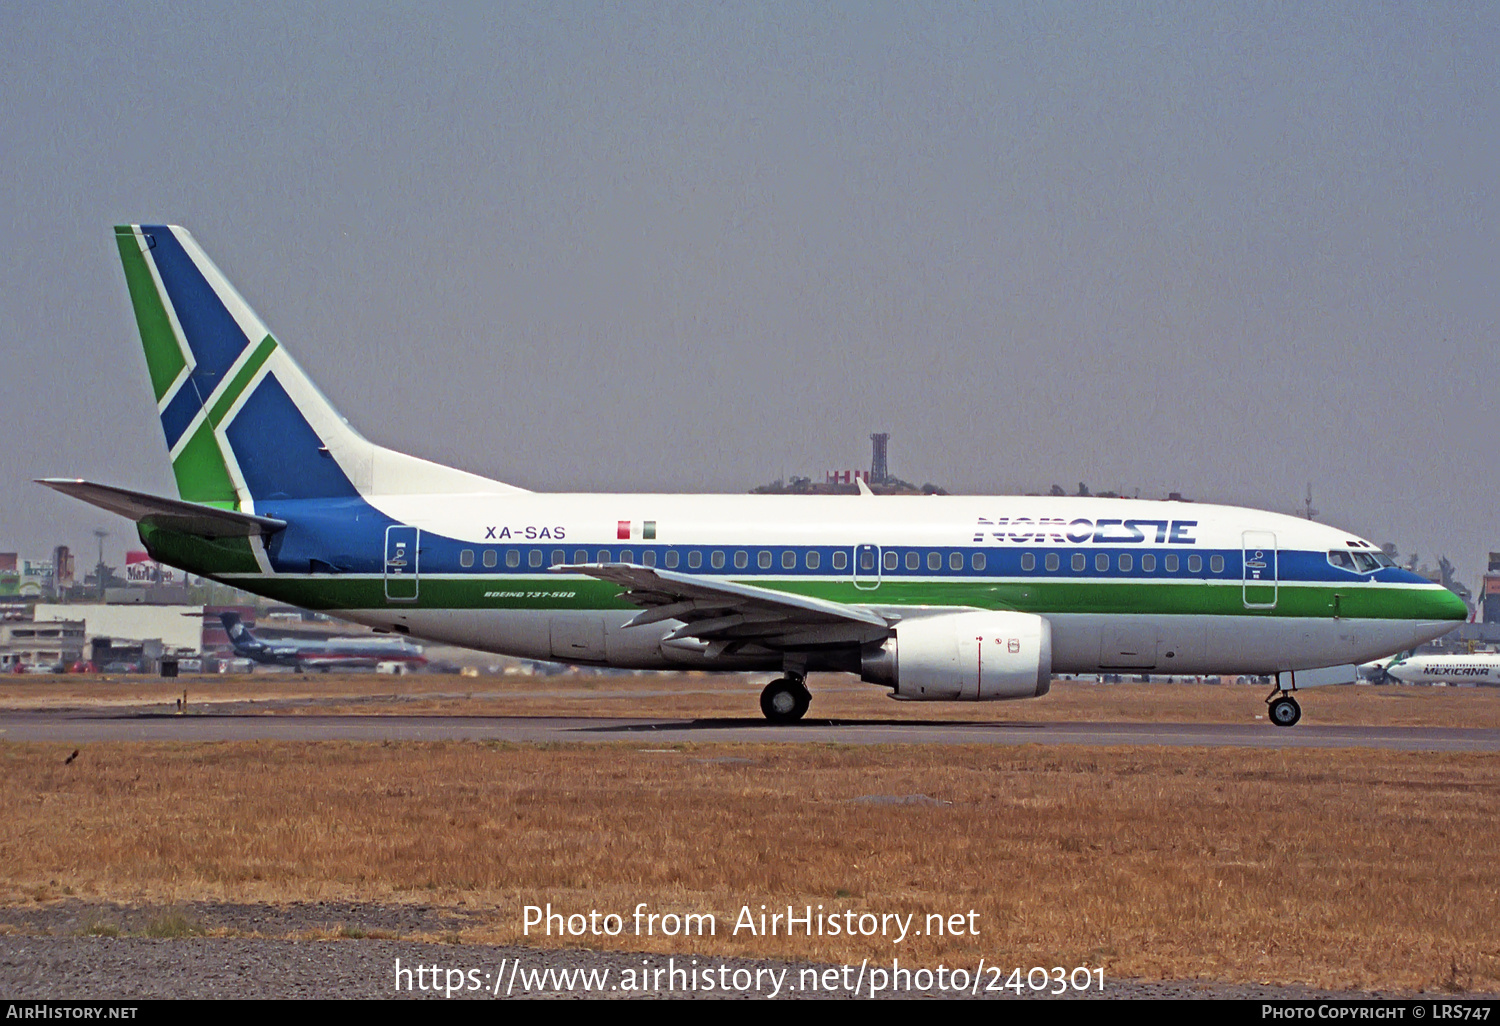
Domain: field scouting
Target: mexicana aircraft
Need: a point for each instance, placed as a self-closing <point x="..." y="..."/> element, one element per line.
<point x="938" y="598"/>
<point x="1410" y="668"/>
<point x="333" y="654"/>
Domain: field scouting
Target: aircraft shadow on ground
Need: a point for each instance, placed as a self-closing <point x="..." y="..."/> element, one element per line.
<point x="760" y="724"/>
<point x="633" y="725"/>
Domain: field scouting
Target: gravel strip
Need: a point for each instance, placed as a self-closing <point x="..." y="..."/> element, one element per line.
<point x="56" y="951"/>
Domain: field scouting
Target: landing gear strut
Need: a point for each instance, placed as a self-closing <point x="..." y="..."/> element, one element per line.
<point x="1281" y="706"/>
<point x="785" y="699"/>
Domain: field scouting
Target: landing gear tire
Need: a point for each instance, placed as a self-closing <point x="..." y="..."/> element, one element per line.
<point x="1285" y="712"/>
<point x="785" y="700"/>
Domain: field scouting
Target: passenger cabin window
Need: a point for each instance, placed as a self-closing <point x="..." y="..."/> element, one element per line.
<point x="913" y="561"/>
<point x="956" y="561"/>
<point x="649" y="557"/>
<point x="580" y="556"/>
<point x="672" y="558"/>
<point x="695" y="559"/>
<point x="535" y="559"/>
<point x="788" y="560"/>
<point x="891" y="559"/>
<point x="1171" y="563"/>
<point x="603" y="556"/>
<point x="763" y="559"/>
<point x="1126" y="563"/>
<point x="813" y="559"/>
<point x="741" y="560"/>
<point x="559" y="556"/>
<point x="840" y="559"/>
<point x="1028" y="561"/>
<point x="1216" y="564"/>
<point x="1148" y="563"/>
<point x="867" y="559"/>
<point x="934" y="560"/>
<point x="466" y="558"/>
<point x="626" y="556"/>
<point x="1195" y="564"/>
<point x="976" y="561"/>
<point x="1079" y="562"/>
<point x="1052" y="561"/>
<point x="1101" y="561"/>
<point x="717" y="560"/>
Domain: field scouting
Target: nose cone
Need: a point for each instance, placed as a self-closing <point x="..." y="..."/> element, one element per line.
<point x="1428" y="601"/>
<point x="1419" y="615"/>
<point x="1451" y="606"/>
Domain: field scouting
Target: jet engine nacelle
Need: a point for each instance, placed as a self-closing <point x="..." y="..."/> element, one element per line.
<point x="976" y="657"/>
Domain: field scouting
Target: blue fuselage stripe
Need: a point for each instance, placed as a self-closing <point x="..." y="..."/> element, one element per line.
<point x="350" y="534"/>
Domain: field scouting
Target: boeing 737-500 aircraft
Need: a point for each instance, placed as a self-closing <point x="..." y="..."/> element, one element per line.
<point x="938" y="598"/>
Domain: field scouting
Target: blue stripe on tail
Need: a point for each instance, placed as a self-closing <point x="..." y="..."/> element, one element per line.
<point x="279" y="454"/>
<point x="212" y="333"/>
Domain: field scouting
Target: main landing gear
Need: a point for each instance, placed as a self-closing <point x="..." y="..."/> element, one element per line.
<point x="1285" y="711"/>
<point x="1281" y="707"/>
<point x="785" y="699"/>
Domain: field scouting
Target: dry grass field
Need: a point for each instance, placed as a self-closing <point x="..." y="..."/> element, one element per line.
<point x="1336" y="868"/>
<point x="731" y="696"/>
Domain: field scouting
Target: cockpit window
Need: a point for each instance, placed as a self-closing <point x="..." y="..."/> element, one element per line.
<point x="1343" y="560"/>
<point x="1359" y="562"/>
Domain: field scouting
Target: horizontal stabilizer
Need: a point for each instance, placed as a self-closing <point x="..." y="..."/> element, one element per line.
<point x="173" y="514"/>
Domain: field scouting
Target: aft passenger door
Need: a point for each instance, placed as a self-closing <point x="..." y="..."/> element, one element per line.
<point x="1259" y="569"/>
<point x="401" y="563"/>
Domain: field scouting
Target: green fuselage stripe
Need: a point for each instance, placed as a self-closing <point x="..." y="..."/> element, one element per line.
<point x="229" y="555"/>
<point x="1368" y="601"/>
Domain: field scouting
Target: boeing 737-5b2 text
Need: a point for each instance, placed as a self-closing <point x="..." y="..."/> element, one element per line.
<point x="938" y="598"/>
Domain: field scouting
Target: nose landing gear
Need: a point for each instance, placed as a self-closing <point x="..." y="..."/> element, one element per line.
<point x="785" y="699"/>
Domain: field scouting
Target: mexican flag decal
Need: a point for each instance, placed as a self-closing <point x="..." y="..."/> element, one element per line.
<point x="624" y="533"/>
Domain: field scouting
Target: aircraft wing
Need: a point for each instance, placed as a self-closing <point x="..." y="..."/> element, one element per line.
<point x="173" y="514"/>
<point x="731" y="615"/>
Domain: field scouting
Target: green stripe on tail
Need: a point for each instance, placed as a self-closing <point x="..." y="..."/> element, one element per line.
<point x="164" y="359"/>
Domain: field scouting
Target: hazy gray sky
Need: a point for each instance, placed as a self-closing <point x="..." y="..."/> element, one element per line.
<point x="1227" y="249"/>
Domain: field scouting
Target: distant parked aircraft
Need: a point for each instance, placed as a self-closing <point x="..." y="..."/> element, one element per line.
<point x="333" y="654"/>
<point x="1406" y="668"/>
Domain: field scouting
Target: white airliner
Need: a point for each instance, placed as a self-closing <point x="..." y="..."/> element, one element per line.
<point x="937" y="598"/>
<point x="1407" y="668"/>
<point x="324" y="655"/>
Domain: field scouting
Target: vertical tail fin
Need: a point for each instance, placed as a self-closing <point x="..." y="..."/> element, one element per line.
<point x="243" y="423"/>
<point x="235" y="628"/>
<point x="245" y="644"/>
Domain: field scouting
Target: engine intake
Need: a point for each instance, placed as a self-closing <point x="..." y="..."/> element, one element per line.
<point x="975" y="657"/>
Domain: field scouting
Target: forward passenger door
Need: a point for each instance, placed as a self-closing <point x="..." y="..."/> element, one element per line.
<point x="1259" y="569"/>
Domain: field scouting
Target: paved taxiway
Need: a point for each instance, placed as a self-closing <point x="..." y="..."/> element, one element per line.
<point x="77" y="727"/>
